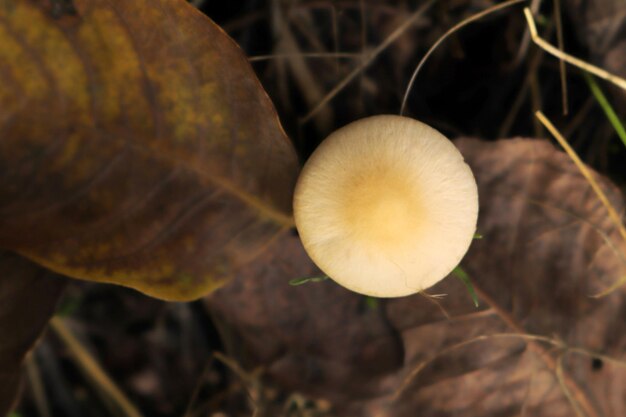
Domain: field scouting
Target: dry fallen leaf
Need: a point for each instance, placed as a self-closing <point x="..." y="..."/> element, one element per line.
<point x="138" y="147"/>
<point x="316" y="337"/>
<point x="543" y="254"/>
<point x="542" y="257"/>
<point x="28" y="295"/>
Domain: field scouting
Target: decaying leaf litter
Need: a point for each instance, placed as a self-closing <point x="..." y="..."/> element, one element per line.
<point x="295" y="353"/>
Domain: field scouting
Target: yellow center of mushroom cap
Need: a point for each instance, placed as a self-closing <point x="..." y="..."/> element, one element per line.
<point x="381" y="215"/>
<point x="386" y="206"/>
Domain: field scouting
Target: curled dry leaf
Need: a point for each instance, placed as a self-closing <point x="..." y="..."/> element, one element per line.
<point x="28" y="295"/>
<point x="137" y="146"/>
<point x="544" y="252"/>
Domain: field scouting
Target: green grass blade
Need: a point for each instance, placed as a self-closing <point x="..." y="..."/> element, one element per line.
<point x="299" y="281"/>
<point x="462" y="275"/>
<point x="606" y="106"/>
<point x="371" y="302"/>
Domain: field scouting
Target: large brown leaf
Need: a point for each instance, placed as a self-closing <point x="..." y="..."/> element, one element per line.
<point x="137" y="145"/>
<point x="542" y="257"/>
<point x="28" y="295"/>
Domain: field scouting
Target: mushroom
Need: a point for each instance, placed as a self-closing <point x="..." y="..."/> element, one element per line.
<point x="386" y="206"/>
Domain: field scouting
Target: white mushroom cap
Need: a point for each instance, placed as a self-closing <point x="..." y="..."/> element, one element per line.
<point x="386" y="206"/>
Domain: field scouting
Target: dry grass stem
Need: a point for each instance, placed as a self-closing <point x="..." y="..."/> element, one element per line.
<point x="617" y="284"/>
<point x="450" y="31"/>
<point x="252" y="381"/>
<point x="533" y="64"/>
<point x="370" y="58"/>
<point x="37" y="386"/>
<point x="306" y="81"/>
<point x="111" y="394"/>
<point x="597" y="71"/>
<point x="435" y="300"/>
<point x="615" y="218"/>
<point x="536" y="101"/>
<point x="561" y="44"/>
<point x="570" y="398"/>
<point x="613" y="215"/>
<point x="525" y="43"/>
<point x="319" y="55"/>
<point x="605" y="237"/>
<point x="563" y="347"/>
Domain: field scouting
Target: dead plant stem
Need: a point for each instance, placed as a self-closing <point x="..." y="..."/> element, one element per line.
<point x="597" y="71"/>
<point x="450" y="31"/>
<point x="370" y="58"/>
